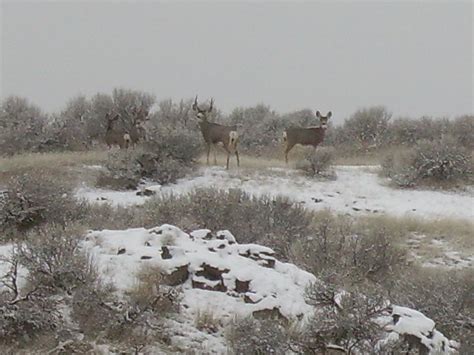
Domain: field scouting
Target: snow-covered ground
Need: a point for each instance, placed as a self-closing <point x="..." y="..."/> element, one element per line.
<point x="357" y="190"/>
<point x="227" y="279"/>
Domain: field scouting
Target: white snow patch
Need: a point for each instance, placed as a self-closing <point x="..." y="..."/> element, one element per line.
<point x="357" y="190"/>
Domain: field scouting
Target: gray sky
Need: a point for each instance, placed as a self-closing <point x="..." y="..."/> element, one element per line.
<point x="414" y="57"/>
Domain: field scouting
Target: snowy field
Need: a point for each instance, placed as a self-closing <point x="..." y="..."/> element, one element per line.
<point x="357" y="190"/>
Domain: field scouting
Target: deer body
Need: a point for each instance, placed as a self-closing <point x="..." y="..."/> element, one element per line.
<point x="114" y="137"/>
<point x="312" y="136"/>
<point x="214" y="133"/>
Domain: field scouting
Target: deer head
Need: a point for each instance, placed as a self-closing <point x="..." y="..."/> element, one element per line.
<point x="323" y="120"/>
<point x="110" y="120"/>
<point x="200" y="113"/>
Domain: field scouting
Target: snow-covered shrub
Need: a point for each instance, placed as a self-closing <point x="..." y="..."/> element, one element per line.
<point x="444" y="296"/>
<point x="35" y="198"/>
<point x="343" y="321"/>
<point x="21" y="320"/>
<point x="317" y="161"/>
<point x="366" y="129"/>
<point x="21" y="124"/>
<point x="53" y="259"/>
<point x="252" y="336"/>
<point x="271" y="221"/>
<point x="123" y="172"/>
<point x="462" y="129"/>
<point x="163" y="158"/>
<point x="429" y="161"/>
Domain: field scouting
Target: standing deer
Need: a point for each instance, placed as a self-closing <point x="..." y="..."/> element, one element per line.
<point x="114" y="137"/>
<point x="138" y="119"/>
<point x="214" y="133"/>
<point x="306" y="136"/>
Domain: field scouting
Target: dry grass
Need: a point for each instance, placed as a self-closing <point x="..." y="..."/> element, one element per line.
<point x="455" y="234"/>
<point x="65" y="165"/>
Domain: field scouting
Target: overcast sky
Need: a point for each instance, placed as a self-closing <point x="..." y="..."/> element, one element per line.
<point x="414" y="57"/>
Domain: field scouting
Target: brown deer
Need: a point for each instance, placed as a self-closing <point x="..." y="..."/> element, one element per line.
<point x="113" y="136"/>
<point x="306" y="136"/>
<point x="214" y="133"/>
<point x="137" y="132"/>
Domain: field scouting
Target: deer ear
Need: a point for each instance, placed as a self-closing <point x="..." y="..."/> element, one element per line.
<point x="318" y="114"/>
<point x="107" y="115"/>
<point x="329" y="114"/>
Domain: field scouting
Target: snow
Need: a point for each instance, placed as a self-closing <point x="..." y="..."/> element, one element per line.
<point x="282" y="287"/>
<point x="357" y="190"/>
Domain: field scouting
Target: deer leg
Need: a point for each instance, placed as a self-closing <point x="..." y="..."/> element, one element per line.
<point x="287" y="150"/>
<point x="215" y="154"/>
<point x="237" y="156"/>
<point x="208" y="152"/>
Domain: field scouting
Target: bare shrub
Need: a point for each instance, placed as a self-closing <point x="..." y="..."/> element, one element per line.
<point x="430" y="162"/>
<point x="355" y="251"/>
<point x="207" y="321"/>
<point x="34" y="198"/>
<point x="251" y="336"/>
<point x="317" y="161"/>
<point x="272" y="221"/>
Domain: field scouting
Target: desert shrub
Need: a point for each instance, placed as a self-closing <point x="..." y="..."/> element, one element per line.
<point x="21" y="124"/>
<point x="53" y="259"/>
<point x="442" y="295"/>
<point x="93" y="308"/>
<point x="207" y="321"/>
<point x="272" y="221"/>
<point x="123" y="171"/>
<point x="356" y="251"/>
<point x="366" y="128"/>
<point x="259" y="128"/>
<point x="343" y="321"/>
<point x="25" y="319"/>
<point x="163" y="158"/>
<point x="317" y="161"/>
<point x="252" y="336"/>
<point x="430" y="161"/>
<point x="462" y="129"/>
<point x="35" y="198"/>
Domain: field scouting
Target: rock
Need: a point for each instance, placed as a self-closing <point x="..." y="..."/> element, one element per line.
<point x="210" y="272"/>
<point x="165" y="253"/>
<point x="178" y="276"/>
<point x="121" y="251"/>
<point x="146" y="192"/>
<point x="317" y="200"/>
<point x="242" y="286"/>
<point x="204" y="284"/>
<point x="145" y="257"/>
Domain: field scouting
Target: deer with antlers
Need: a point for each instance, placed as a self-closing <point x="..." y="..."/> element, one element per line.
<point x="312" y="136"/>
<point x="214" y="133"/>
<point x="137" y="132"/>
<point x="113" y="136"/>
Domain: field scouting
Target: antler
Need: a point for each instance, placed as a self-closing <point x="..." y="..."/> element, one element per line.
<point x="195" y="104"/>
<point x="211" y="105"/>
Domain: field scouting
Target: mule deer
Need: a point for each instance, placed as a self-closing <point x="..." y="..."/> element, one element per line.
<point x="306" y="136"/>
<point x="214" y="133"/>
<point x="138" y="119"/>
<point x="114" y="137"/>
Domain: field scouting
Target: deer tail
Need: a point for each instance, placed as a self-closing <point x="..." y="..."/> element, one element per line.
<point x="233" y="140"/>
<point x="285" y="137"/>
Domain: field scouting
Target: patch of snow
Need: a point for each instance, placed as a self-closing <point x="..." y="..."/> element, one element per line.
<point x="357" y="190"/>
